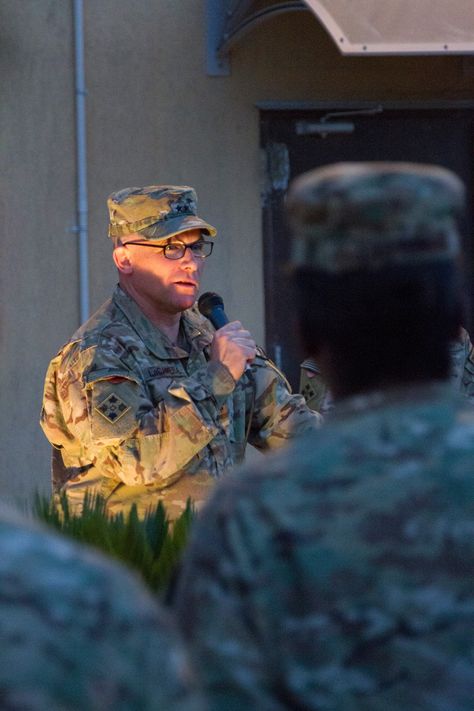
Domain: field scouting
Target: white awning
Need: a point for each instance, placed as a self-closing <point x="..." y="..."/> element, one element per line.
<point x="398" y="26"/>
<point x="357" y="27"/>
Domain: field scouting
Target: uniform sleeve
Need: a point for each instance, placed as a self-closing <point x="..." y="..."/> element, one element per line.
<point x="467" y="380"/>
<point x="106" y="416"/>
<point x="462" y="364"/>
<point x="277" y="414"/>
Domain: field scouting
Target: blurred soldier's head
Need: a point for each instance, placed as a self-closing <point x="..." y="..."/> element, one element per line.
<point x="160" y="244"/>
<point x="375" y="252"/>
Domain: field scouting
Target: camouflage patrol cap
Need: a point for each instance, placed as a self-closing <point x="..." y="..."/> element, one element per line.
<point x="155" y="211"/>
<point x="351" y="216"/>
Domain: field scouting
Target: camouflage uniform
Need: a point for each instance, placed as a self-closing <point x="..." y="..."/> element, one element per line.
<point x="462" y="365"/>
<point x="338" y="575"/>
<point x="137" y="419"/>
<point x="313" y="388"/>
<point x="78" y="632"/>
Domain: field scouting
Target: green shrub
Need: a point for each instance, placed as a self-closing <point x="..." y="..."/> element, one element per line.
<point x="150" y="545"/>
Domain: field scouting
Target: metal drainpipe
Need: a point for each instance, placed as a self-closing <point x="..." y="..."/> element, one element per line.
<point x="81" y="161"/>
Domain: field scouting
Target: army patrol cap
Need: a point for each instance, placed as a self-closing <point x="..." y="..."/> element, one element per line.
<point x="157" y="212"/>
<point x="351" y="216"/>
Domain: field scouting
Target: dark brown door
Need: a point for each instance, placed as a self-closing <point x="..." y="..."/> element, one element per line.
<point x="296" y="141"/>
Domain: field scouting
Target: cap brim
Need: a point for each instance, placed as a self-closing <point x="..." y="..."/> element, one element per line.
<point x="175" y="226"/>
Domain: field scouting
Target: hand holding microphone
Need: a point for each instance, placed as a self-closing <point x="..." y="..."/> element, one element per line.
<point x="233" y="345"/>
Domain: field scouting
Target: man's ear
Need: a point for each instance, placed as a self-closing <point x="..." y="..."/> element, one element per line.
<point x="122" y="260"/>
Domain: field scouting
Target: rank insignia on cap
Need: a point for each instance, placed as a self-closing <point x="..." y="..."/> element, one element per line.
<point x="183" y="206"/>
<point x="112" y="408"/>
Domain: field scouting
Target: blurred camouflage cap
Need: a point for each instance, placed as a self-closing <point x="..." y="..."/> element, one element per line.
<point x="351" y="216"/>
<point x="155" y="211"/>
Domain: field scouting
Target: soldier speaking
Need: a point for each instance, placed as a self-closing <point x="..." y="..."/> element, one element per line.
<point x="147" y="401"/>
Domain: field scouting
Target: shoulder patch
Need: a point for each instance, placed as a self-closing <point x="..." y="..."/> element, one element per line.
<point x="112" y="408"/>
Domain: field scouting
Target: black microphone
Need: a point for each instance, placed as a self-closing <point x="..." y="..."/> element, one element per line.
<point x="211" y="306"/>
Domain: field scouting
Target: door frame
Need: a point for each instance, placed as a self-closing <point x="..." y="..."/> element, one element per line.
<point x="272" y="203"/>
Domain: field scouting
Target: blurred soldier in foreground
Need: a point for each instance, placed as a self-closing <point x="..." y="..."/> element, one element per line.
<point x="79" y="633"/>
<point x="340" y="575"/>
<point x="147" y="401"/>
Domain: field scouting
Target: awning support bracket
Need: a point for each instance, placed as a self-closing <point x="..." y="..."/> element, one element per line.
<point x="228" y="20"/>
<point x="218" y="63"/>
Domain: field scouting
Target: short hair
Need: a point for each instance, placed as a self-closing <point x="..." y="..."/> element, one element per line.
<point x="392" y="324"/>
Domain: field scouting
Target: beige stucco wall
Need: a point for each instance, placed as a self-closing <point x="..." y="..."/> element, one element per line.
<point x="153" y="116"/>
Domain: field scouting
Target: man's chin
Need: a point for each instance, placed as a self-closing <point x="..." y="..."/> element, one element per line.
<point x="184" y="303"/>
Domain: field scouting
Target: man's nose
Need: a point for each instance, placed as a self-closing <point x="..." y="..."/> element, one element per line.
<point x="189" y="260"/>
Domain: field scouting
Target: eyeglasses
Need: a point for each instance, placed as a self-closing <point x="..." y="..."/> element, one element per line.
<point x="176" y="250"/>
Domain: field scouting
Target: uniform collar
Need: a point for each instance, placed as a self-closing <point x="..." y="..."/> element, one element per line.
<point x="197" y="329"/>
